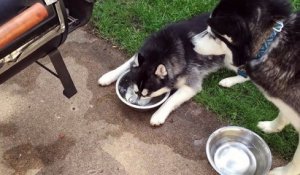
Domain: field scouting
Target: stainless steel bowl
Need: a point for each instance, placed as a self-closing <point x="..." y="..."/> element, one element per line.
<point x="123" y="83"/>
<point x="234" y="150"/>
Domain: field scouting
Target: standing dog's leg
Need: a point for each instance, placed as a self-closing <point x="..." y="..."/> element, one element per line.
<point x="113" y="75"/>
<point x="293" y="167"/>
<point x="292" y="117"/>
<point x="182" y="95"/>
<point x="273" y="126"/>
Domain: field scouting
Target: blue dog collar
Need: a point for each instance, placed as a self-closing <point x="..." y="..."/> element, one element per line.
<point x="265" y="46"/>
<point x="242" y="72"/>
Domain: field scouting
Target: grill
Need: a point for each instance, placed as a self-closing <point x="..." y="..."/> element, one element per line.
<point x="32" y="29"/>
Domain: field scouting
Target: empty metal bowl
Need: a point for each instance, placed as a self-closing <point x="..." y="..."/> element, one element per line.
<point x="234" y="150"/>
<point x="122" y="85"/>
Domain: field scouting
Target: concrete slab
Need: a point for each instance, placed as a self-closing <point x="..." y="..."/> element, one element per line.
<point x="42" y="132"/>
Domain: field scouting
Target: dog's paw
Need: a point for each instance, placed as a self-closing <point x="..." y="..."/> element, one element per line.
<point x="278" y="171"/>
<point x="227" y="82"/>
<point x="268" y="127"/>
<point x="158" y="118"/>
<point x="106" y="79"/>
<point x="289" y="169"/>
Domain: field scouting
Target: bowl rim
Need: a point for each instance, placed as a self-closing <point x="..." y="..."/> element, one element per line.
<point x="209" y="156"/>
<point x="137" y="106"/>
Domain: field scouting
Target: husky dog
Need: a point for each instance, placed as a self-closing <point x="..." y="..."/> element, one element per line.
<point x="235" y="30"/>
<point x="271" y="53"/>
<point x="167" y="62"/>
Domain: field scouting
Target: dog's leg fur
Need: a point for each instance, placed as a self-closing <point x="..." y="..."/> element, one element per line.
<point x="290" y="116"/>
<point x="230" y="81"/>
<point x="182" y="95"/>
<point x="205" y="45"/>
<point x="273" y="126"/>
<point x="293" y="167"/>
<point x="113" y="75"/>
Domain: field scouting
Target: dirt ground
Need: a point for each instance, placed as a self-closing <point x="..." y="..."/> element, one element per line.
<point x="43" y="132"/>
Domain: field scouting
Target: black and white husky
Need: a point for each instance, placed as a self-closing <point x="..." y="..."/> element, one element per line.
<point x="167" y="61"/>
<point x="264" y="35"/>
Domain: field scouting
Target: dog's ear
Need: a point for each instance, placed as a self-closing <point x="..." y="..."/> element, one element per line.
<point x="138" y="60"/>
<point x="161" y="71"/>
<point x="230" y="26"/>
<point x="224" y="25"/>
<point x="141" y="59"/>
<point x="212" y="21"/>
<point x="216" y="22"/>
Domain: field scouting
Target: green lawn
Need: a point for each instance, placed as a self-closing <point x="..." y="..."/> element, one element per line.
<point x="127" y="23"/>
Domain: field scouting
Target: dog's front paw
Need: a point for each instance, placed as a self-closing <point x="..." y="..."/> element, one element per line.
<point x="278" y="171"/>
<point x="106" y="79"/>
<point x="289" y="169"/>
<point x="227" y="82"/>
<point x="268" y="127"/>
<point x="158" y="118"/>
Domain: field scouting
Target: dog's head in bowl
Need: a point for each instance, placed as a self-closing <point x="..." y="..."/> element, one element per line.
<point x="150" y="77"/>
<point x="141" y="91"/>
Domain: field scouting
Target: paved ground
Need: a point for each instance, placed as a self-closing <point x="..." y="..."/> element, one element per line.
<point x="42" y="132"/>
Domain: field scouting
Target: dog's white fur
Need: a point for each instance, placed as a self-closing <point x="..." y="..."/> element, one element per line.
<point x="183" y="93"/>
<point x="206" y="45"/>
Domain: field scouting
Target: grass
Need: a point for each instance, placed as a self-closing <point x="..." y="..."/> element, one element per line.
<point x="127" y="23"/>
<point x="296" y="4"/>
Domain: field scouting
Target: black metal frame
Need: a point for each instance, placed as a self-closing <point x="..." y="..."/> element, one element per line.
<point x="81" y="10"/>
<point x="62" y="72"/>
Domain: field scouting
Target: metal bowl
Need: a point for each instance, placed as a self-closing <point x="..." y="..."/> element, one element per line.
<point x="122" y="85"/>
<point x="238" y="151"/>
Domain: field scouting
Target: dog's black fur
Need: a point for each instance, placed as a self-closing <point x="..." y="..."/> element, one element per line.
<point x="245" y="24"/>
<point x="279" y="74"/>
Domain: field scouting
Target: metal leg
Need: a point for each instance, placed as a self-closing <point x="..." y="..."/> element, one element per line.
<point x="63" y="73"/>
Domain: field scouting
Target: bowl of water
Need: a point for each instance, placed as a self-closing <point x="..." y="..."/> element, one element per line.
<point x="235" y="150"/>
<point x="125" y="92"/>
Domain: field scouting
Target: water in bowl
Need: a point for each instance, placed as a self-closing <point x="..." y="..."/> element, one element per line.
<point x="133" y="98"/>
<point x="234" y="158"/>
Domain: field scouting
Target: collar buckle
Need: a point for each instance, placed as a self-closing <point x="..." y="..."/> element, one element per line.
<point x="278" y="26"/>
